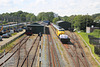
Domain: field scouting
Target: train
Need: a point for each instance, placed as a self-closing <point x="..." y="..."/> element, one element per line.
<point x="6" y="28"/>
<point x="28" y="31"/>
<point x="60" y="32"/>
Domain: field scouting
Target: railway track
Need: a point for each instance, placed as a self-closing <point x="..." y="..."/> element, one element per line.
<point x="15" y="51"/>
<point x="13" y="47"/>
<point x="23" y="54"/>
<point x="75" y="51"/>
<point x="53" y="57"/>
<point x="78" y="50"/>
<point x="35" y="43"/>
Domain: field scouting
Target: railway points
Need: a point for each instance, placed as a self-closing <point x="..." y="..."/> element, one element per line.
<point x="54" y="53"/>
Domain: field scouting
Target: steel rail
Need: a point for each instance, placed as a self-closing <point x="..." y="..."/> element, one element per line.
<point x="66" y="50"/>
<point x="13" y="53"/>
<point x="49" y="52"/>
<point x="35" y="54"/>
<point x="75" y="40"/>
<point x="29" y="52"/>
<point x="12" y="47"/>
<point x="82" y="52"/>
<point x="55" y="52"/>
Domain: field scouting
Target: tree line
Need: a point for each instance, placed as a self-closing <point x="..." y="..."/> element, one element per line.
<point x="77" y="21"/>
<point x="19" y="16"/>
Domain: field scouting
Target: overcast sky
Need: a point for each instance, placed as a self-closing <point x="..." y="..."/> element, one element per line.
<point x="61" y="7"/>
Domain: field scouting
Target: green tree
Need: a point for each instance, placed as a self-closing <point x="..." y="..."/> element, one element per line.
<point x="97" y="19"/>
<point x="65" y="18"/>
<point x="45" y="16"/>
<point x="95" y="15"/>
<point x="33" y="18"/>
<point x="77" y="21"/>
<point x="71" y="20"/>
<point x="28" y="16"/>
<point x="81" y="21"/>
<point x="50" y="16"/>
<point x="56" y="19"/>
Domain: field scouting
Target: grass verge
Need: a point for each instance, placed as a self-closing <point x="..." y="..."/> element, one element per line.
<point x="85" y="37"/>
<point x="9" y="46"/>
<point x="13" y="34"/>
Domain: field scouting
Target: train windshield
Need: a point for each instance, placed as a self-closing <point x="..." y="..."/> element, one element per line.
<point x="61" y="30"/>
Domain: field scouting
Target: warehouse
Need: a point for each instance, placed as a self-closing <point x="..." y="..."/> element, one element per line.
<point x="36" y="28"/>
<point x="64" y="24"/>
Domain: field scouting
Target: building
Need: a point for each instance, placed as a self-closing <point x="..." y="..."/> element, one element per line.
<point x="91" y="29"/>
<point x="36" y="28"/>
<point x="64" y="24"/>
<point x="46" y="22"/>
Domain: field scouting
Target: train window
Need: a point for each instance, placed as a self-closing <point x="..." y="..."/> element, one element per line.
<point x="59" y="27"/>
<point x="61" y="30"/>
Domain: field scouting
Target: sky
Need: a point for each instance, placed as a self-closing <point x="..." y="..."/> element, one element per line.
<point x="60" y="7"/>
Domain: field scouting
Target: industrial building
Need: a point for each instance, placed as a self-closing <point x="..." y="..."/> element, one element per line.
<point x="36" y="28"/>
<point x="64" y="24"/>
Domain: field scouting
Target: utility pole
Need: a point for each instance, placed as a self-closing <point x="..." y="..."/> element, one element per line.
<point x="86" y="23"/>
<point x="44" y="29"/>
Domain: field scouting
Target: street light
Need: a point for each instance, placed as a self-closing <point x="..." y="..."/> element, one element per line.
<point x="86" y="23"/>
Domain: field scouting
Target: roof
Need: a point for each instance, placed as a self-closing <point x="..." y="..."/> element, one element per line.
<point x="57" y="27"/>
<point x="59" y="21"/>
<point x="35" y="24"/>
<point x="46" y="21"/>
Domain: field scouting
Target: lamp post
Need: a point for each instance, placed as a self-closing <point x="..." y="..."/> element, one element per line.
<point x="99" y="31"/>
<point x="17" y="21"/>
<point x="44" y="29"/>
<point x="86" y="23"/>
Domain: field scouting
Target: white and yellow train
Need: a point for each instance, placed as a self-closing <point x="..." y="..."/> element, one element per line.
<point x="60" y="32"/>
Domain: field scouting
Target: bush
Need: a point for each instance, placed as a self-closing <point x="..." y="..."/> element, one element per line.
<point x="96" y="33"/>
<point x="97" y="49"/>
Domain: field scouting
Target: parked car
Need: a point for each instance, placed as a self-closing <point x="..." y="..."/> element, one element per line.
<point x="20" y="29"/>
<point x="0" y="38"/>
<point x="9" y="34"/>
<point x="24" y="27"/>
<point x="16" y="30"/>
<point x="5" y="35"/>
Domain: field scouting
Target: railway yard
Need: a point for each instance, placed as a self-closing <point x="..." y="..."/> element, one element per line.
<point x="46" y="51"/>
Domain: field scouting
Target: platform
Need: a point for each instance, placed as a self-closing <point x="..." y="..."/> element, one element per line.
<point x="6" y="40"/>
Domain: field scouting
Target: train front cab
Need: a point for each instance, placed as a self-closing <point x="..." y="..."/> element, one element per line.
<point x="28" y="31"/>
<point x="59" y="32"/>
